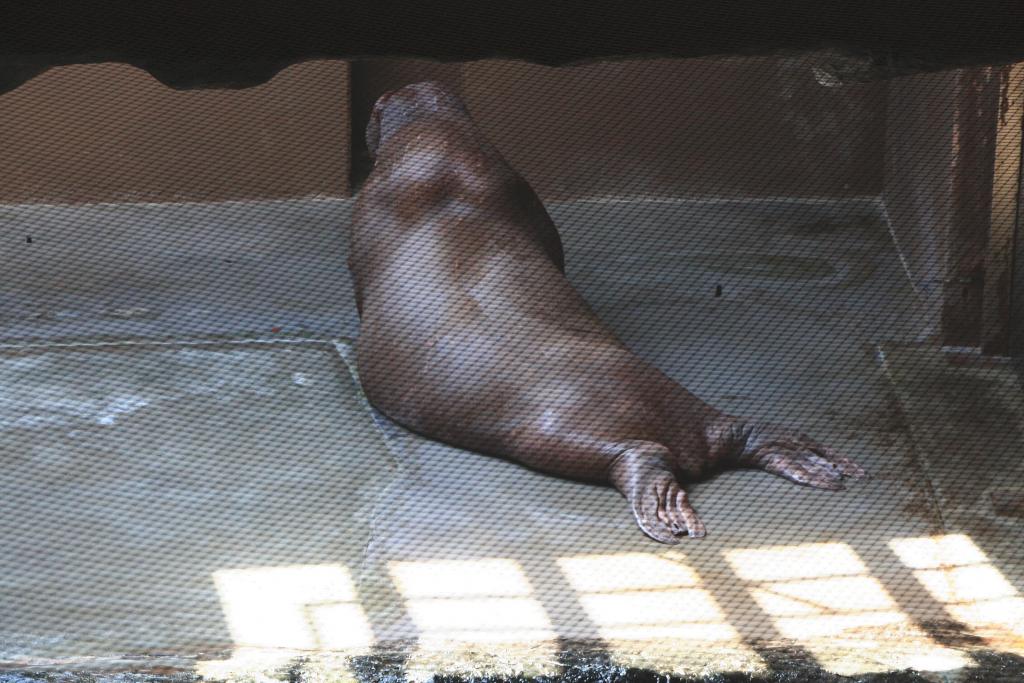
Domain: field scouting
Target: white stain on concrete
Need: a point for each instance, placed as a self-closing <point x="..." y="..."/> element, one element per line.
<point x="121" y="405"/>
<point x="46" y="412"/>
<point x="35" y="421"/>
<point x="31" y="399"/>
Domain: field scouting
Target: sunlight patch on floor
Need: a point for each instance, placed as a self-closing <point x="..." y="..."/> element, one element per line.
<point x="306" y="607"/>
<point x="640" y="596"/>
<point x="822" y="595"/>
<point x="486" y="600"/>
<point x="656" y="601"/>
<point x="958" y="574"/>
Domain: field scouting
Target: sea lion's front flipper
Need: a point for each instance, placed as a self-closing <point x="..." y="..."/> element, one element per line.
<point x="643" y="473"/>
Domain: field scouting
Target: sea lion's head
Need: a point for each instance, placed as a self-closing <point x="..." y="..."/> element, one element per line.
<point x="394" y="109"/>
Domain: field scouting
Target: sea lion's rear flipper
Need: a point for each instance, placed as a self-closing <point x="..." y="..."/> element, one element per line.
<point x="643" y="473"/>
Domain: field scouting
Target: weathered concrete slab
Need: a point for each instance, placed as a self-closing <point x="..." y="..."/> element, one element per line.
<point x="966" y="414"/>
<point x="140" y="485"/>
<point x="175" y="271"/>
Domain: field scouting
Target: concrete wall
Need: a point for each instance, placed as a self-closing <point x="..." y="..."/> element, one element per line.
<point x="750" y="127"/>
<point x="111" y="132"/>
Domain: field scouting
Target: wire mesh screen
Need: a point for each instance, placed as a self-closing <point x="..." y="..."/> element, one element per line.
<point x="394" y="369"/>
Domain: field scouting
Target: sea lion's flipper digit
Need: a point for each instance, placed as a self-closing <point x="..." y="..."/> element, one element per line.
<point x="663" y="511"/>
<point x="643" y="474"/>
<point x="848" y="467"/>
<point x="692" y="524"/>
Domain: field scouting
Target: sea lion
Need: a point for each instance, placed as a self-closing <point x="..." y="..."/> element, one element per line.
<point x="471" y="334"/>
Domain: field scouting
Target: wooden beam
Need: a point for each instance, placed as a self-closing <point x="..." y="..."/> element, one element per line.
<point x="974" y="108"/>
<point x="1005" y="214"/>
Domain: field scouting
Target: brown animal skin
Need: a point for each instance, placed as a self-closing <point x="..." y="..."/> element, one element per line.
<point x="472" y="335"/>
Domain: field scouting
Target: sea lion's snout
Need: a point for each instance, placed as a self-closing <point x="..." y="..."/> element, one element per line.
<point x="396" y="107"/>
